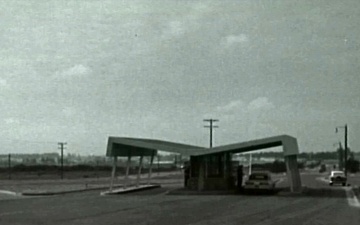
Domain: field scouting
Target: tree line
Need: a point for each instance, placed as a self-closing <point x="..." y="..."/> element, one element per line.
<point x="324" y="155"/>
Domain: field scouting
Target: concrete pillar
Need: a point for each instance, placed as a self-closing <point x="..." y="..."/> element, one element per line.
<point x="293" y="173"/>
<point x="206" y="164"/>
<point x="201" y="179"/>
<point x="191" y="166"/>
<point x="227" y="165"/>
<point x="224" y="165"/>
<point x="150" y="167"/>
<point x="113" y="173"/>
<point x="127" y="171"/>
<point x="139" y="171"/>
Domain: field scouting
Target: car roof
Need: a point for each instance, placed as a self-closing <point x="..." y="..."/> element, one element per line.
<point x="335" y="171"/>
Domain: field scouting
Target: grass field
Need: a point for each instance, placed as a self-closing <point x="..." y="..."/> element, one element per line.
<point x="69" y="174"/>
<point x="26" y="182"/>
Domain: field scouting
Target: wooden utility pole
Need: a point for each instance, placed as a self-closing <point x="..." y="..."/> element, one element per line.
<point x="211" y="129"/>
<point x="9" y="165"/>
<point x="346" y="149"/>
<point x="61" y="147"/>
<point x="346" y="146"/>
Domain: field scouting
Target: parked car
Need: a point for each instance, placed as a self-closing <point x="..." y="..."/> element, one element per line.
<point x="337" y="177"/>
<point x="261" y="181"/>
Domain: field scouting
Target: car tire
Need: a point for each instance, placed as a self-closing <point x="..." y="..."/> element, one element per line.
<point x="330" y="184"/>
<point x="344" y="184"/>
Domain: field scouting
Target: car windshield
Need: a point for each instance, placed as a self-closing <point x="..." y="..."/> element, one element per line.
<point x="258" y="176"/>
<point x="338" y="174"/>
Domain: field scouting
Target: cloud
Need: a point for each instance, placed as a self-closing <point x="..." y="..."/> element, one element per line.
<point x="187" y="19"/>
<point x="11" y="121"/>
<point x="234" y="39"/>
<point x="173" y="29"/>
<point x="68" y="111"/>
<point x="261" y="103"/>
<point x="236" y="105"/>
<point x="3" y="83"/>
<point x="75" y="71"/>
<point x="248" y="120"/>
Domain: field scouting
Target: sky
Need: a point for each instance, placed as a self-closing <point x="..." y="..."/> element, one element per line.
<point x="81" y="71"/>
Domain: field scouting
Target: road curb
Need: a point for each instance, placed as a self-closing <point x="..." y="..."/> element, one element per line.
<point x="6" y="192"/>
<point x="48" y="193"/>
<point x="183" y="191"/>
<point x="152" y="186"/>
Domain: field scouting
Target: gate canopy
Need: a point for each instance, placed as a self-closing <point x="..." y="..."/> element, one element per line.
<point x="132" y="147"/>
<point x="124" y="146"/>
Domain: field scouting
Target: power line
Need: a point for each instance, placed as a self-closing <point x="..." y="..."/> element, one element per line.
<point x="211" y="121"/>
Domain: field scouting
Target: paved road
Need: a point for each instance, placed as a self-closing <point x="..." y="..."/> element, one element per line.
<point x="154" y="207"/>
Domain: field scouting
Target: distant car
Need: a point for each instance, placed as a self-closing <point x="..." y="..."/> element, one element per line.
<point x="337" y="177"/>
<point x="260" y="181"/>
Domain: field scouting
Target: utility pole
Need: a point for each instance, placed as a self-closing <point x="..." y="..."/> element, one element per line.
<point x="9" y="165"/>
<point x="211" y="121"/>
<point x="346" y="146"/>
<point x="346" y="149"/>
<point x="61" y="147"/>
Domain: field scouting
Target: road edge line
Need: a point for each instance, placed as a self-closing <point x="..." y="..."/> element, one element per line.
<point x="351" y="197"/>
<point x="6" y="192"/>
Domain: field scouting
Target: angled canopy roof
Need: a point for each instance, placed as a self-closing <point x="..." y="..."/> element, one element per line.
<point x="290" y="146"/>
<point x="123" y="146"/>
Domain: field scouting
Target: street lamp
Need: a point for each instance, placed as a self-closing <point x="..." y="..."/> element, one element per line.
<point x="346" y="147"/>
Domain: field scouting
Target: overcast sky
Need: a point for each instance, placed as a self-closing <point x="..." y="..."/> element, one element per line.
<point x="79" y="71"/>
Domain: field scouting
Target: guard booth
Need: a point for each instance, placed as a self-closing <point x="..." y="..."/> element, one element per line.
<point x="211" y="172"/>
<point x="214" y="170"/>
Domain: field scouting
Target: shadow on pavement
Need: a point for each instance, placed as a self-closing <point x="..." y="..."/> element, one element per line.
<point x="325" y="192"/>
<point x="280" y="192"/>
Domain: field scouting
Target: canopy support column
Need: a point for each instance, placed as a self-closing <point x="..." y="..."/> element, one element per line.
<point x="206" y="159"/>
<point x="127" y="171"/>
<point x="139" y="171"/>
<point x="293" y="173"/>
<point x="113" y="173"/>
<point x="151" y="164"/>
<point x="201" y="179"/>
